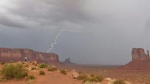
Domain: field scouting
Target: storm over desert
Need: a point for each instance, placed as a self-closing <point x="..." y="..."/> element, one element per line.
<point x="109" y="29"/>
<point x="75" y="41"/>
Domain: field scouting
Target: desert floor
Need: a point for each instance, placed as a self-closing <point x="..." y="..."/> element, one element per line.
<point x="55" y="77"/>
<point x="114" y="72"/>
<point x="133" y="77"/>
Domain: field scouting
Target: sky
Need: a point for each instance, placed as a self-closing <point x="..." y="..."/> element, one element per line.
<point x="109" y="29"/>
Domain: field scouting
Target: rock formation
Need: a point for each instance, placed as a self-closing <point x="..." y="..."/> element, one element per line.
<point x="140" y="60"/>
<point x="75" y="74"/>
<point x="139" y="54"/>
<point x="67" y="61"/>
<point x="7" y="55"/>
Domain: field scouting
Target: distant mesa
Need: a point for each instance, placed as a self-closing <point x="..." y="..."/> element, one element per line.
<point x="68" y="61"/>
<point x="7" y="55"/>
<point x="140" y="60"/>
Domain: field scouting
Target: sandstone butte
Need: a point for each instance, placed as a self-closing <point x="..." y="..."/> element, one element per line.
<point x="140" y="60"/>
<point x="68" y="61"/>
<point x="7" y="55"/>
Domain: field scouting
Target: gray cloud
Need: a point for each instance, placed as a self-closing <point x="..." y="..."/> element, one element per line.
<point x="6" y="21"/>
<point x="147" y="24"/>
<point x="36" y="12"/>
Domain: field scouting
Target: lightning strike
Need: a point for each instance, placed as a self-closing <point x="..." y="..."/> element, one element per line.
<point x="55" y="42"/>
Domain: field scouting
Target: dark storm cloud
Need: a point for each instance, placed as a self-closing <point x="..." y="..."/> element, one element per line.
<point x="45" y="12"/>
<point x="4" y="20"/>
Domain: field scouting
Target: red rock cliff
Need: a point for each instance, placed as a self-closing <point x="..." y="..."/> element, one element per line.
<point x="140" y="61"/>
<point x="139" y="54"/>
<point x="7" y="55"/>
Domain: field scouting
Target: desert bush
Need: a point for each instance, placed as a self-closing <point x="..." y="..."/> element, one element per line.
<point x="33" y="68"/>
<point x="43" y="65"/>
<point x="30" y="62"/>
<point x="26" y="65"/>
<point x="82" y="77"/>
<point x="64" y="71"/>
<point x="31" y="78"/>
<point x="41" y="73"/>
<point x="2" y="63"/>
<point x="23" y="63"/>
<point x="35" y="64"/>
<point x="80" y="72"/>
<point x="19" y="65"/>
<point x="91" y="78"/>
<point x="11" y="71"/>
<point x="119" y="82"/>
<point x="95" y="78"/>
<point x="37" y="68"/>
<point x="11" y="62"/>
<point x="52" y="69"/>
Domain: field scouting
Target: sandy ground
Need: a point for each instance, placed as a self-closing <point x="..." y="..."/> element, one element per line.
<point x="134" y="77"/>
<point x="55" y="77"/>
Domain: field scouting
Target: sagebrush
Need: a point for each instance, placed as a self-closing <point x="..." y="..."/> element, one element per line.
<point x="63" y="72"/>
<point x="119" y="82"/>
<point x="11" y="71"/>
<point x="41" y="73"/>
<point x="43" y="65"/>
<point x="31" y="77"/>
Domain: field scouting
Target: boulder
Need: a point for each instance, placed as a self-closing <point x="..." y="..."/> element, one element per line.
<point x="75" y="74"/>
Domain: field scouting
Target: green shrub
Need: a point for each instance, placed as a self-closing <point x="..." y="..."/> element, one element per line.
<point x="119" y="82"/>
<point x="91" y="78"/>
<point x="41" y="73"/>
<point x="37" y="68"/>
<point x="11" y="62"/>
<point x="95" y="78"/>
<point x="43" y="65"/>
<point x="82" y="77"/>
<point x="26" y="65"/>
<point x="11" y="71"/>
<point x="63" y="72"/>
<point x="80" y="72"/>
<point x="30" y="62"/>
<point x="31" y="78"/>
<point x="23" y="63"/>
<point x="35" y="64"/>
<point x="33" y="68"/>
<point x="2" y="63"/>
<point x="52" y="69"/>
<point x="19" y="65"/>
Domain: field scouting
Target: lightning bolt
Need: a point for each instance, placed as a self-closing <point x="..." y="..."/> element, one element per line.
<point x="55" y="42"/>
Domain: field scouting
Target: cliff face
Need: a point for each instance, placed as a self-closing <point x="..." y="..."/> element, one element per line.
<point x="139" y="54"/>
<point x="140" y="60"/>
<point x="7" y="55"/>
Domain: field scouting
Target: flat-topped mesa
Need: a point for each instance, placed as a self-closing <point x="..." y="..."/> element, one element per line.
<point x="7" y="54"/>
<point x="139" y="54"/>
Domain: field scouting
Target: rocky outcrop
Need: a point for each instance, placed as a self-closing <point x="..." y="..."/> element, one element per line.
<point x="7" y="54"/>
<point x="140" y="60"/>
<point x="68" y="61"/>
<point x="139" y="54"/>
